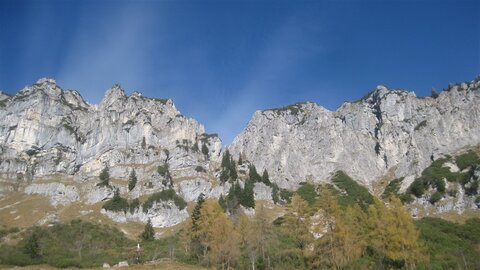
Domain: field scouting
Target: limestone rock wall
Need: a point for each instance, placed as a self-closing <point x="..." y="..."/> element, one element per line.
<point x="388" y="130"/>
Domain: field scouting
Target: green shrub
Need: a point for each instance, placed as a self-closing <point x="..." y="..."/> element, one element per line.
<point x="308" y="193"/>
<point x="406" y="198"/>
<point x="433" y="177"/>
<point x="450" y="245"/>
<point x="163" y="170"/>
<point x="164" y="195"/>
<point x="392" y="188"/>
<point x="477" y="200"/>
<point x="437" y="196"/>
<point x="352" y="191"/>
<point x="286" y="195"/>
<point x="466" y="160"/>
<point x="117" y="203"/>
<point x="76" y="244"/>
<point x="275" y="193"/>
<point x="421" y="125"/>
<point x="418" y="187"/>
<point x="293" y="109"/>
<point x="200" y="169"/>
<point x="135" y="204"/>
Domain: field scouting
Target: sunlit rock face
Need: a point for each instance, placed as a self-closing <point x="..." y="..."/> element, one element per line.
<point x="58" y="193"/>
<point x="45" y="130"/>
<point x="55" y="144"/>
<point x="162" y="214"/>
<point x="386" y="131"/>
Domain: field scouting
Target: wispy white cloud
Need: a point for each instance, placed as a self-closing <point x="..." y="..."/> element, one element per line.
<point x="290" y="47"/>
<point x="108" y="49"/>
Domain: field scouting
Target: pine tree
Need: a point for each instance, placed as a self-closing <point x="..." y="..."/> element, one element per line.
<point x="275" y="193"/>
<point x="144" y="143"/>
<point x="104" y="178"/>
<point x="196" y="211"/>
<point x="226" y="159"/>
<point x="233" y="170"/>
<point x="132" y="182"/>
<point x="233" y="198"/>
<point x="247" y="198"/>
<point x="229" y="168"/>
<point x="32" y="246"/>
<point x="253" y="175"/>
<point x="148" y="233"/>
<point x="195" y="147"/>
<point x="265" y="178"/>
<point x="205" y="150"/>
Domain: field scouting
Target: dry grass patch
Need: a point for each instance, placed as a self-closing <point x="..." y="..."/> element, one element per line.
<point x="22" y="210"/>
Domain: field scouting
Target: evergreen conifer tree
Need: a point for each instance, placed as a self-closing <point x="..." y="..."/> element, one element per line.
<point x="265" y="178"/>
<point x="132" y="182"/>
<point x="148" y="233"/>
<point x="104" y="177"/>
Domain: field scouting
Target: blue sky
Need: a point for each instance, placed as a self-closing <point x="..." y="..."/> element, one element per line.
<point x="222" y="60"/>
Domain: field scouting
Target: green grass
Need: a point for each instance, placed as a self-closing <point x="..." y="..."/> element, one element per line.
<point x="6" y="231"/>
<point x="82" y="244"/>
<point x="77" y="244"/>
<point x="451" y="245"/>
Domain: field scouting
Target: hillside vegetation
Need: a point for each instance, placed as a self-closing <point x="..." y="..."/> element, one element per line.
<point x="358" y="232"/>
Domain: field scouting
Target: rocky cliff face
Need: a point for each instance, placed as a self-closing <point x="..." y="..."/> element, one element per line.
<point x="45" y="130"/>
<point x="54" y="144"/>
<point x="388" y="131"/>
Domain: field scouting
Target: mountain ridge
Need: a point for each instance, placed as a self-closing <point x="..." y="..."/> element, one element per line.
<point x="47" y="133"/>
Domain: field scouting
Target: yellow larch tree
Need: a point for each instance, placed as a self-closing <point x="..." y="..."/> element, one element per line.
<point x="218" y="236"/>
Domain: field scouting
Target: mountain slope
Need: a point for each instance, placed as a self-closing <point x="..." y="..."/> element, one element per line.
<point x="54" y="146"/>
<point x="388" y="131"/>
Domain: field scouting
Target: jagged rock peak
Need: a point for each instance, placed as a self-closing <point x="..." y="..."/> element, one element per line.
<point x="45" y="86"/>
<point x="136" y="94"/>
<point x="113" y="94"/>
<point x="46" y="81"/>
